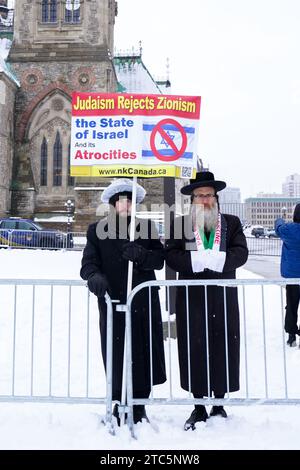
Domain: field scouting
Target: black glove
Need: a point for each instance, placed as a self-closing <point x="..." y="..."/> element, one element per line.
<point x="134" y="252"/>
<point x="98" y="284"/>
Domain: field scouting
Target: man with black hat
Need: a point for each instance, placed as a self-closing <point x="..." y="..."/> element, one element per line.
<point x="105" y="267"/>
<point x="290" y="267"/>
<point x="207" y="245"/>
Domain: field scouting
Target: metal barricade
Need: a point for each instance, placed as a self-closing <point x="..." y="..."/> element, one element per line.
<point x="264" y="246"/>
<point x="266" y="365"/>
<point x="79" y="240"/>
<point x="43" y="239"/>
<point x="50" y="348"/>
<point x="50" y="345"/>
<point x="56" y="240"/>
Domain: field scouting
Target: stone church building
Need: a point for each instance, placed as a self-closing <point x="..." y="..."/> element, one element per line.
<point x="58" y="46"/>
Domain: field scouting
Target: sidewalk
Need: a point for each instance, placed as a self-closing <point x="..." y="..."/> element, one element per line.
<point x="266" y="266"/>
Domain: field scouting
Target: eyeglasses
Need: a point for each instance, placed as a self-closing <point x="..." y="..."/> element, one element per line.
<point x="204" y="196"/>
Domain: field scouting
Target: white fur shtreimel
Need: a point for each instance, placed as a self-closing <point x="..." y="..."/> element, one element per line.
<point x="119" y="186"/>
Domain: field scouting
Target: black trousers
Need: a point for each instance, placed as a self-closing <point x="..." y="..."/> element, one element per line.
<point x="292" y="304"/>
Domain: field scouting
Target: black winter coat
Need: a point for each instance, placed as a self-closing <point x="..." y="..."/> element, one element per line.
<point x="105" y="256"/>
<point x="179" y="259"/>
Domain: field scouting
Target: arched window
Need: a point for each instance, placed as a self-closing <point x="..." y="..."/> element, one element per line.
<point x="72" y="11"/>
<point x="44" y="162"/>
<point x="71" y="179"/>
<point x="49" y="11"/>
<point x="57" y="161"/>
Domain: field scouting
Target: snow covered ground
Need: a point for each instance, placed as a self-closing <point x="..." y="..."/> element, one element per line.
<point x="70" y="426"/>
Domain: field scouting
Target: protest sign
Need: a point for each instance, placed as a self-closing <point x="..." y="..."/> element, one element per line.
<point x="134" y="135"/>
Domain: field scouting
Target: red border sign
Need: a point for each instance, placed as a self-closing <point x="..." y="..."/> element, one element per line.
<point x="159" y="128"/>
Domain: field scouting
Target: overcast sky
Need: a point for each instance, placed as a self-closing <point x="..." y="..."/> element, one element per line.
<point x="242" y="58"/>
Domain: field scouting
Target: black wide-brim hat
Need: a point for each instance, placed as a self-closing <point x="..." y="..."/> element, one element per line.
<point x="203" y="178"/>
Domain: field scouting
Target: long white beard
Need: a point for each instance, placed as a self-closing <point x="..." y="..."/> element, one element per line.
<point x="211" y="218"/>
<point x="205" y="218"/>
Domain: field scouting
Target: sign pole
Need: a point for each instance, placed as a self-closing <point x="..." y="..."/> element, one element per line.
<point x="129" y="288"/>
<point x="132" y="233"/>
<point x="170" y="201"/>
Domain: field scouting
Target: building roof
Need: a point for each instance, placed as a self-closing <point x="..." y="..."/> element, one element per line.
<point x="4" y="66"/>
<point x="272" y="199"/>
<point x="6" y="69"/>
<point x="134" y="77"/>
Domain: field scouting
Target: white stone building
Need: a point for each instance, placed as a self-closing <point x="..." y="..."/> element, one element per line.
<point x="291" y="186"/>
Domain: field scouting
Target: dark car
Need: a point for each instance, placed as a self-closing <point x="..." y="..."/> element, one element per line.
<point x="19" y="232"/>
<point x="258" y="232"/>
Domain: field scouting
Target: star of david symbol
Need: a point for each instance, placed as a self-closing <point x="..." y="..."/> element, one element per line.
<point x="163" y="142"/>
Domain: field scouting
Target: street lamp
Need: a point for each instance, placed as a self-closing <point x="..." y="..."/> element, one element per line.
<point x="284" y="210"/>
<point x="69" y="206"/>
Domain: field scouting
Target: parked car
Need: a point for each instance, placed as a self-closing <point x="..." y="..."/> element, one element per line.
<point x="258" y="232"/>
<point x="272" y="234"/>
<point x="15" y="231"/>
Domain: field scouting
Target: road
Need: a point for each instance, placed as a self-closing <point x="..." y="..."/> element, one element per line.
<point x="266" y="266"/>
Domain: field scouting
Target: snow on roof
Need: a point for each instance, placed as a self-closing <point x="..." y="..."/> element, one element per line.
<point x="89" y="188"/>
<point x="4" y="66"/>
<point x="4" y="47"/>
<point x="133" y="75"/>
<point x="55" y="218"/>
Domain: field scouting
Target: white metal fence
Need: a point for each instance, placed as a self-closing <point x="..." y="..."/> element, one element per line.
<point x="264" y="246"/>
<point x="56" y="240"/>
<point x="50" y="345"/>
<point x="267" y="368"/>
<point x="44" y="239"/>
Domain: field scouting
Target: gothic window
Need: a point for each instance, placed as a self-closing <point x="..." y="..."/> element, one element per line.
<point x="70" y="178"/>
<point x="57" y="161"/>
<point x="44" y="161"/>
<point x="49" y="11"/>
<point x="72" y="11"/>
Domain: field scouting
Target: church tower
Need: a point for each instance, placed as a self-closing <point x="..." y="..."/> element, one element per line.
<point x="59" y="46"/>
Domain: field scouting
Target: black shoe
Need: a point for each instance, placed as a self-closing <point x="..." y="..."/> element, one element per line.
<point x="292" y="340"/>
<point x="116" y="414"/>
<point x="139" y="413"/>
<point x="218" y="411"/>
<point x="198" y="414"/>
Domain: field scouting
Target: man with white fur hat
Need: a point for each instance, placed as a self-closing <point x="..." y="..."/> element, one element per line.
<point x="105" y="267"/>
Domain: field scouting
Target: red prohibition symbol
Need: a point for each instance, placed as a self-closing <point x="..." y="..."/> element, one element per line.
<point x="178" y="152"/>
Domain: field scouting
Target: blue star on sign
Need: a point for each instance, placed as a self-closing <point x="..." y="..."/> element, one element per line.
<point x="172" y="136"/>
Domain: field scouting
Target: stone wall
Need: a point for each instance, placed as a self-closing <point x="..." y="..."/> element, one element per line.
<point x="51" y="61"/>
<point x="94" y="29"/>
<point x="7" y="97"/>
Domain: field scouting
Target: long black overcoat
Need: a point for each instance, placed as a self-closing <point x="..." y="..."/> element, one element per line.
<point x="105" y="256"/>
<point x="178" y="257"/>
